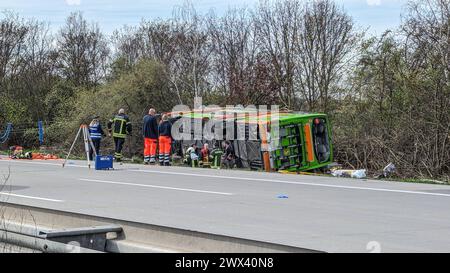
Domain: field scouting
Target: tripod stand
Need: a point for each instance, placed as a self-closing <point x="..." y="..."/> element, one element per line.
<point x="87" y="143"/>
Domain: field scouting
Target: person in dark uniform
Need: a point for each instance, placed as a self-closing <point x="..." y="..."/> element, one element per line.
<point x="119" y="126"/>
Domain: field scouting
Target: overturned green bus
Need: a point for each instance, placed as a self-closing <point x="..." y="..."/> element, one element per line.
<point x="305" y="142"/>
<point x="301" y="143"/>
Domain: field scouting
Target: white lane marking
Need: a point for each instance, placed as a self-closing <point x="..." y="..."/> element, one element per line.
<point x="152" y="186"/>
<point x="41" y="163"/>
<point x="30" y="197"/>
<point x="295" y="183"/>
<point x="257" y="179"/>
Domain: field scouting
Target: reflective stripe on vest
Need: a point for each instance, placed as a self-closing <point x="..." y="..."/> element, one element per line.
<point x="119" y="127"/>
<point x="95" y="132"/>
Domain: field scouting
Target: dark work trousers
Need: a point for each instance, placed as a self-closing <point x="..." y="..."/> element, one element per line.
<point x="118" y="142"/>
<point x="96" y="142"/>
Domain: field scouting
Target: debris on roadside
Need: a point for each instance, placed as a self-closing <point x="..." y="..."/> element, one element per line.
<point x="358" y="174"/>
<point x="387" y="172"/>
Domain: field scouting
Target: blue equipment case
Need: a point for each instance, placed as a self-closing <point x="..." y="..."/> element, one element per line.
<point x="104" y="162"/>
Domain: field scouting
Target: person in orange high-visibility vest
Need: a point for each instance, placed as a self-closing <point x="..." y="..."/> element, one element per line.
<point x="165" y="140"/>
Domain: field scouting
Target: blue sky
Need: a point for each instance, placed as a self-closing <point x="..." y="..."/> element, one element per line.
<point x="377" y="15"/>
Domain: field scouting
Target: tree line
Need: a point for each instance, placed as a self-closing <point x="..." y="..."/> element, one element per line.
<point x="388" y="96"/>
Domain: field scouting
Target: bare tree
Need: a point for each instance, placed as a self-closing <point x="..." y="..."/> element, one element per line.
<point x="399" y="109"/>
<point x="128" y="46"/>
<point x="325" y="40"/>
<point x="37" y="77"/>
<point x="181" y="44"/>
<point x="13" y="31"/>
<point x="277" y="28"/>
<point x="193" y="50"/>
<point x="83" y="51"/>
<point x="235" y="50"/>
<point x="427" y="31"/>
<point x="26" y="62"/>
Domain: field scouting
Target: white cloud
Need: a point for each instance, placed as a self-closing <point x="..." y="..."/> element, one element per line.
<point x="73" y="2"/>
<point x="373" y="2"/>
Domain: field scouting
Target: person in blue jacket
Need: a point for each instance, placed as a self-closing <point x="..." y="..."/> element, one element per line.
<point x="96" y="132"/>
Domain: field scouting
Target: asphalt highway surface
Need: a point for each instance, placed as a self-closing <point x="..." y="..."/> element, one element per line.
<point x="313" y="212"/>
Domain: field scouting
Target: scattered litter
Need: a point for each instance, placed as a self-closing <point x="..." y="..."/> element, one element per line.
<point x="389" y="170"/>
<point x="358" y="174"/>
<point x="283" y="196"/>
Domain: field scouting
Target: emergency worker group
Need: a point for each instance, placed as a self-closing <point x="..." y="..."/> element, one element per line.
<point x="158" y="141"/>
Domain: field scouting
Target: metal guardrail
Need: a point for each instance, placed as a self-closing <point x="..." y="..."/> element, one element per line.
<point x="81" y="240"/>
<point x="75" y="240"/>
<point x="73" y="232"/>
